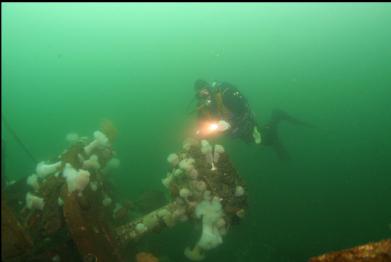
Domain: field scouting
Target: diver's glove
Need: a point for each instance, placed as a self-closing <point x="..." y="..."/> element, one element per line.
<point x="256" y="136"/>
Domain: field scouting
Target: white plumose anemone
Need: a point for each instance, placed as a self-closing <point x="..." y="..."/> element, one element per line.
<point x="76" y="180"/>
<point x="239" y="191"/>
<point x="106" y="201"/>
<point x="33" y="182"/>
<point x="195" y="254"/>
<point x="43" y="169"/>
<point x="92" y="163"/>
<point x="141" y="228"/>
<point x="34" y="202"/>
<point x="207" y="149"/>
<point x="60" y="201"/>
<point x="211" y="212"/>
<point x="189" y="142"/>
<point x="72" y="138"/>
<point x="94" y="185"/>
<point x="100" y="140"/>
<point x="173" y="159"/>
<point x="167" y="181"/>
<point x="218" y="150"/>
<point x="167" y="217"/>
<point x="193" y="174"/>
<point x="185" y="193"/>
<point x="187" y="164"/>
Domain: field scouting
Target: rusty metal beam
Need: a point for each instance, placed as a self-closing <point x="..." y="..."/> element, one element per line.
<point x="371" y="252"/>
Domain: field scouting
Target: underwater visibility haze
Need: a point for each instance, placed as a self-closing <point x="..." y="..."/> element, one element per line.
<point x="68" y="67"/>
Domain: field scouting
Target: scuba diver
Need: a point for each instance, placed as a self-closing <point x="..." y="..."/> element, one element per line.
<point x="223" y="101"/>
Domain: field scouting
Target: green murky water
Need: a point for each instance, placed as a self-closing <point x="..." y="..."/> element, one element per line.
<point x="67" y="66"/>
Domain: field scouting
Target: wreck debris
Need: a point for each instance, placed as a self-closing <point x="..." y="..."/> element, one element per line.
<point x="78" y="212"/>
<point x="199" y="185"/>
<point x="371" y="252"/>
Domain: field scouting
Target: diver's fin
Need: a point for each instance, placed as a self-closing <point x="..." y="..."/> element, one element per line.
<point x="281" y="152"/>
<point x="280" y="115"/>
<point x="270" y="132"/>
<point x="270" y="138"/>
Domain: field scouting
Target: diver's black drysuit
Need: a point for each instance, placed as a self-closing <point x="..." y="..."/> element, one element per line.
<point x="242" y="119"/>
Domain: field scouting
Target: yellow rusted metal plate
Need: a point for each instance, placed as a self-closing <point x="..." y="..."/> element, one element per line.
<point x="371" y="252"/>
<point x="88" y="230"/>
<point x="15" y="241"/>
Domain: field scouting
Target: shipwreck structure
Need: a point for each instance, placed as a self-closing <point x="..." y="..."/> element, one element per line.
<point x="69" y="211"/>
